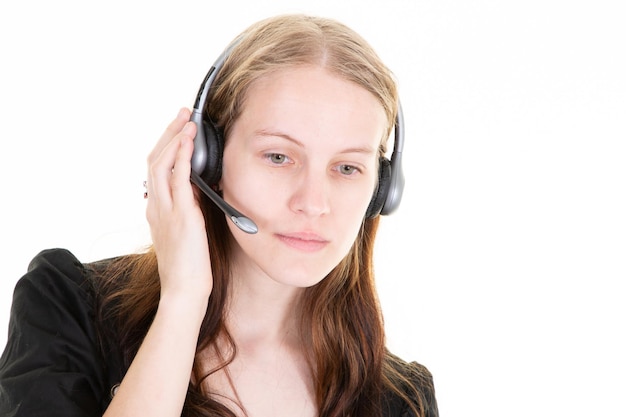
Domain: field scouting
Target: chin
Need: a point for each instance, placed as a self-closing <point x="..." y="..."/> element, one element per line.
<point x="295" y="277"/>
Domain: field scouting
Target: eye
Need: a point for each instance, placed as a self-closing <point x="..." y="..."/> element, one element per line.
<point x="277" y="158"/>
<point x="348" y="169"/>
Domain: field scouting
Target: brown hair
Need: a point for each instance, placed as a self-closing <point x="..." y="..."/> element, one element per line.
<point x="341" y="320"/>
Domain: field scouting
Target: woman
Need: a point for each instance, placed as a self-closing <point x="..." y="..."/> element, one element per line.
<point x="214" y="321"/>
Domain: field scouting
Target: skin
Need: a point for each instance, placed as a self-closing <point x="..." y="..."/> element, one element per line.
<point x="301" y="161"/>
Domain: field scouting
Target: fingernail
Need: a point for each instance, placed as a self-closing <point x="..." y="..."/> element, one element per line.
<point x="188" y="129"/>
<point x="182" y="113"/>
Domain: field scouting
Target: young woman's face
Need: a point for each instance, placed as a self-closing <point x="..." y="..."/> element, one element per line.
<point x="301" y="161"/>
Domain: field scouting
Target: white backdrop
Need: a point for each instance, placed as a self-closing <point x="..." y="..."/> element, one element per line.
<point x="503" y="269"/>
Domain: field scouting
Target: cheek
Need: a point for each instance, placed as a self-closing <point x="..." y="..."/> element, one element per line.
<point x="348" y="210"/>
<point x="239" y="192"/>
<point x="244" y="188"/>
<point x="356" y="199"/>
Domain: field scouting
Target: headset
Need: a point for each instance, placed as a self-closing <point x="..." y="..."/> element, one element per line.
<point x="206" y="161"/>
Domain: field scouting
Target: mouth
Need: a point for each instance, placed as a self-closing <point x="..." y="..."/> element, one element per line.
<point x="305" y="242"/>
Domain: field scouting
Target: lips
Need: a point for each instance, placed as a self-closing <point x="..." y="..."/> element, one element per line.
<point x="305" y="242"/>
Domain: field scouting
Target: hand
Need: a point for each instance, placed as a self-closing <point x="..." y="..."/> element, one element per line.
<point x="176" y="221"/>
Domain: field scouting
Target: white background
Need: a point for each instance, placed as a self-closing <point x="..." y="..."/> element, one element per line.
<point x="503" y="269"/>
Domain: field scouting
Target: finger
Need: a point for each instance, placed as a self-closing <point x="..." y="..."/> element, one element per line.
<point x="182" y="192"/>
<point x="163" y="166"/>
<point x="170" y="132"/>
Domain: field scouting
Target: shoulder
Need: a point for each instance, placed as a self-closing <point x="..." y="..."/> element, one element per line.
<point x="53" y="355"/>
<point x="63" y="294"/>
<point x="58" y="274"/>
<point x="415" y="383"/>
<point x="55" y="278"/>
<point x="55" y="263"/>
<point x="56" y="293"/>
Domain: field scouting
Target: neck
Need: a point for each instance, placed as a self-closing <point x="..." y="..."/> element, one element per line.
<point x="262" y="312"/>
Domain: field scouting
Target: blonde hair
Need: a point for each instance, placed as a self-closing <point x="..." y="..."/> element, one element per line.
<point x="292" y="40"/>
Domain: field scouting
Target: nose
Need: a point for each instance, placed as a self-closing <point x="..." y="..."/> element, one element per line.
<point x="311" y="194"/>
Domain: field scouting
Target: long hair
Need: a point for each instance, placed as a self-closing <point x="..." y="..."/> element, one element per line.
<point x="341" y="322"/>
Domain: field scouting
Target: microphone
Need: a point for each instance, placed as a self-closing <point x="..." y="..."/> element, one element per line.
<point x="241" y="221"/>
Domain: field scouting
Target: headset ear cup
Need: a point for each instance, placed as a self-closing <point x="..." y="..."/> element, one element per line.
<point x="215" y="150"/>
<point x="382" y="189"/>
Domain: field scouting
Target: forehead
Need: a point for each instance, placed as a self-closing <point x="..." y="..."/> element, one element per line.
<point x="309" y="101"/>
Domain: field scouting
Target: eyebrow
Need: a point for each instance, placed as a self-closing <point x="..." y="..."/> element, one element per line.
<point x="268" y="133"/>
